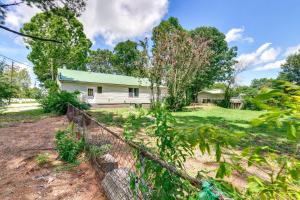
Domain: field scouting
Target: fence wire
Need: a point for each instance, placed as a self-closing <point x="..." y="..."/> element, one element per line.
<point x="117" y="166"/>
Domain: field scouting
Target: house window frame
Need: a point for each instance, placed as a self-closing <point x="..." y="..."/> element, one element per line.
<point x="101" y="90"/>
<point x="88" y="92"/>
<point x="133" y="92"/>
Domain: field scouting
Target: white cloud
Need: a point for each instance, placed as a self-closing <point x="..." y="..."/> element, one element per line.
<point x="292" y="50"/>
<point x="114" y="20"/>
<point x="274" y="65"/>
<point x="269" y="55"/>
<point x="20" y="14"/>
<point x="236" y="34"/>
<point x="262" y="55"/>
<point x="117" y="20"/>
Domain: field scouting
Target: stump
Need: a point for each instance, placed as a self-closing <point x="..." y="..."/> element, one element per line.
<point x="116" y="185"/>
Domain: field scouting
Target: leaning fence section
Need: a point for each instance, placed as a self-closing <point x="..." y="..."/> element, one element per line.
<point x="116" y="165"/>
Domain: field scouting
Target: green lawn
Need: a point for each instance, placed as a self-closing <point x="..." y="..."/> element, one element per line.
<point x="22" y="116"/>
<point x="232" y="120"/>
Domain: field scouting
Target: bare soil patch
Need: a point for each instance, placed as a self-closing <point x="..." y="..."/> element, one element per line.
<point x="22" y="178"/>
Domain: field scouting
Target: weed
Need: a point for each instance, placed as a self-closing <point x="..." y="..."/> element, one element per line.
<point x="42" y="159"/>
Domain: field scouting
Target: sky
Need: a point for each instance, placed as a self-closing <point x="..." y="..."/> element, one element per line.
<point x="264" y="31"/>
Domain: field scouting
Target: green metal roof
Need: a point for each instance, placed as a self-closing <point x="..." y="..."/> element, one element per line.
<point x="92" y="77"/>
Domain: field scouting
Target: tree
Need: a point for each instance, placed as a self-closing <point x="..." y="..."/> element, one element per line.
<point x="19" y="79"/>
<point x="127" y="58"/>
<point x="47" y="56"/>
<point x="7" y="91"/>
<point x="77" y="6"/>
<point x="291" y="69"/>
<point x="259" y="83"/>
<point x="219" y="67"/>
<point x="101" y="61"/>
<point x="179" y="58"/>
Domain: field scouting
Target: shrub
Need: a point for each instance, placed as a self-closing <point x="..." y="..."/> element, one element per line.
<point x="68" y="146"/>
<point x="42" y="159"/>
<point x="57" y="102"/>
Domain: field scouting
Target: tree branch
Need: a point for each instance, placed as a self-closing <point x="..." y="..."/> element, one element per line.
<point x="29" y="36"/>
<point x="11" y="4"/>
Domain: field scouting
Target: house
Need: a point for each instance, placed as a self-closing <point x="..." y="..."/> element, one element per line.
<point x="210" y="96"/>
<point x="214" y="95"/>
<point x="106" y="89"/>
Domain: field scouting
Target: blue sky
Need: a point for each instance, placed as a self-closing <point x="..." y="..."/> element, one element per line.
<point x="264" y="31"/>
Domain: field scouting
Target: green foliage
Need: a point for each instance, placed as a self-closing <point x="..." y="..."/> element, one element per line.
<point x="127" y="58"/>
<point x="170" y="147"/>
<point x="57" y="102"/>
<point x="291" y="69"/>
<point x="62" y="25"/>
<point x="42" y="159"/>
<point x="34" y="93"/>
<point x="101" y="61"/>
<point x="284" y="173"/>
<point x="68" y="146"/>
<point x="283" y="106"/>
<point x="7" y="91"/>
<point x="261" y="83"/>
<point x="174" y="146"/>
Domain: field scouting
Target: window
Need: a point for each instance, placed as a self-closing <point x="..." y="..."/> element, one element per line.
<point x="133" y="92"/>
<point x="99" y="90"/>
<point x="90" y="92"/>
<point x="136" y="92"/>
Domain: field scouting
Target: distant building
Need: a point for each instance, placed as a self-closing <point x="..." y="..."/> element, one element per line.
<point x="215" y="95"/>
<point x="237" y="102"/>
<point x="210" y="96"/>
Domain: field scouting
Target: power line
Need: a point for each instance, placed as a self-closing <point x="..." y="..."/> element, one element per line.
<point x="16" y="61"/>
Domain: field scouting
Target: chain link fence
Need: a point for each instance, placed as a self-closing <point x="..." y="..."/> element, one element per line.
<point x="116" y="165"/>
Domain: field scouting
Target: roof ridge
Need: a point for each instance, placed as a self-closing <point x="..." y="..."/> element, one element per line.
<point x="101" y="73"/>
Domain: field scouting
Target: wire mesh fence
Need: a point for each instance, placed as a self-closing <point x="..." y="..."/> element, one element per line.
<point x="117" y="166"/>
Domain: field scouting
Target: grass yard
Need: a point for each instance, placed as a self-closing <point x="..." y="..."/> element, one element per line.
<point x="22" y="116"/>
<point x="233" y="120"/>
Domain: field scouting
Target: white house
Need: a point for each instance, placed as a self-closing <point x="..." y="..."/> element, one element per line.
<point x="210" y="96"/>
<point x="106" y="89"/>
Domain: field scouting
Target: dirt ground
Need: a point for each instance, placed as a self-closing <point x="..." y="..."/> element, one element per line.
<point x="22" y="178"/>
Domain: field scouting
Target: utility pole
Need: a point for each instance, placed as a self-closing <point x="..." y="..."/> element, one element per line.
<point x="11" y="78"/>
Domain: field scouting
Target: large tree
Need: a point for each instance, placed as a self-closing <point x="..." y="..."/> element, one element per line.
<point x="62" y="25"/>
<point x="221" y="61"/>
<point x="291" y="69"/>
<point x="178" y="58"/>
<point x="101" y="61"/>
<point x="127" y="58"/>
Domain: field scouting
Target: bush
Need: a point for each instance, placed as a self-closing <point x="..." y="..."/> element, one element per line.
<point x="68" y="146"/>
<point x="57" y="102"/>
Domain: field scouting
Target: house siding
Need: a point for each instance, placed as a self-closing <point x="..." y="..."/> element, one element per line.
<point x="210" y="96"/>
<point x="111" y="94"/>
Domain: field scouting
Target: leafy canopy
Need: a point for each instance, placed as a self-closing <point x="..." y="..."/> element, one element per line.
<point x="101" y="61"/>
<point x="127" y="58"/>
<point x="291" y="69"/>
<point x="62" y="25"/>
